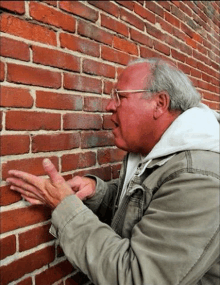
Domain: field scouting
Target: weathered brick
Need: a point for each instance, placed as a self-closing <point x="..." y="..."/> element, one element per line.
<point x="94" y="33"/>
<point x="8" y="196"/>
<point x="110" y="54"/>
<point x="82" y="121"/>
<point x="95" y="139"/>
<point x="154" y="32"/>
<point x="166" y="26"/>
<point x="75" y="43"/>
<point x="110" y="155"/>
<point x="8" y="246"/>
<point x="114" y="25"/>
<point x="177" y="55"/>
<point x="79" y="9"/>
<point x="55" y="142"/>
<point x="92" y="104"/>
<point x="108" y="85"/>
<point x="125" y="45"/>
<point x="14" y="49"/>
<point x="2" y="71"/>
<point x="98" y="68"/>
<point x="185" y="68"/>
<point x="15" y="97"/>
<point x="13" y="6"/>
<point x="172" y="20"/>
<point x="1" y="115"/>
<point x="55" y="58"/>
<point x="21" y="28"/>
<point x="115" y="170"/>
<point x="78" y="160"/>
<point x="82" y="83"/>
<point x="132" y="19"/>
<point x="107" y="6"/>
<point x="103" y="172"/>
<point x="33" y="76"/>
<point x="26" y="264"/>
<point x="165" y="4"/>
<point x="34" y="237"/>
<point x="14" y="144"/>
<point x="127" y="4"/>
<point x="153" y="6"/>
<point x="148" y="52"/>
<point x="30" y="165"/>
<point x="161" y="47"/>
<point x="60" y="101"/>
<point x="23" y="120"/>
<point x="52" y="16"/>
<point x="144" y="13"/>
<point x="141" y="38"/>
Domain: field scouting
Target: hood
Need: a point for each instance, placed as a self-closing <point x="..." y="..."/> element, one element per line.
<point x="195" y="129"/>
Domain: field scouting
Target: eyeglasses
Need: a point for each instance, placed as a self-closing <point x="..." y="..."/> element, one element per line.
<point x="116" y="93"/>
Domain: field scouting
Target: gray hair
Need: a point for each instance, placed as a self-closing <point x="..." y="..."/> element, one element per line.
<point x="166" y="77"/>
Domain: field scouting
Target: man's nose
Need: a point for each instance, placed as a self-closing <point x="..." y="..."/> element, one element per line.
<point x="111" y="107"/>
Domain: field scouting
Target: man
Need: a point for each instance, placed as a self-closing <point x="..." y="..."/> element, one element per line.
<point x="164" y="208"/>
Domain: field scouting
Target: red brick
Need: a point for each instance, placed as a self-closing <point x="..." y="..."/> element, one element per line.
<point x="210" y="96"/>
<point x="164" y="4"/>
<point x="8" y="246"/>
<point x="27" y="281"/>
<point x="176" y="11"/>
<point x="185" y="68"/>
<point x="13" y="6"/>
<point x="191" y="61"/>
<point x="34" y="237"/>
<point x="161" y="47"/>
<point x="26" y="264"/>
<point x="14" y="49"/>
<point x="15" y="97"/>
<point x="116" y="170"/>
<point x="76" y="43"/>
<point x="54" y="273"/>
<point x="141" y="38"/>
<point x="8" y="196"/>
<point x="82" y="121"/>
<point x="154" y="32"/>
<point x="78" y="160"/>
<point x="50" y="2"/>
<point x="107" y="6"/>
<point x="22" y="120"/>
<point x="55" y="142"/>
<point x="95" y="139"/>
<point x="110" y="155"/>
<point x="98" y="68"/>
<point x="190" y="42"/>
<point x="132" y="19"/>
<point x="165" y="25"/>
<point x="2" y="71"/>
<point x="127" y="4"/>
<point x="82" y="83"/>
<point x="22" y="217"/>
<point x="79" y="9"/>
<point x="114" y="25"/>
<point x="14" y="144"/>
<point x="108" y="85"/>
<point x="125" y="45"/>
<point x="94" y="33"/>
<point x="102" y="172"/>
<point x="188" y="31"/>
<point x="24" y="29"/>
<point x="105" y="102"/>
<point x="60" y="101"/>
<point x="186" y="49"/>
<point x="110" y="54"/>
<point x="52" y="16"/>
<point x="148" y="52"/>
<point x="30" y="165"/>
<point x="177" y="55"/>
<point x="152" y="6"/>
<point x="55" y="58"/>
<point x="77" y="279"/>
<point x="144" y="13"/>
<point x="172" y="20"/>
<point x="33" y="76"/>
<point x="1" y="115"/>
<point x="107" y="123"/>
<point x="92" y="104"/>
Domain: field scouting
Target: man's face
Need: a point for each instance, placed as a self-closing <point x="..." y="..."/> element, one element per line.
<point x="133" y="118"/>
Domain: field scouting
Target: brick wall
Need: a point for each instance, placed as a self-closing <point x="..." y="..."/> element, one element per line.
<point x="58" y="62"/>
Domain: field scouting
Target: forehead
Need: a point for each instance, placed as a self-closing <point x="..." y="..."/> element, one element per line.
<point x="134" y="77"/>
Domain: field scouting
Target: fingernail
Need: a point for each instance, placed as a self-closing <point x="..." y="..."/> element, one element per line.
<point x="46" y="161"/>
<point x="12" y="188"/>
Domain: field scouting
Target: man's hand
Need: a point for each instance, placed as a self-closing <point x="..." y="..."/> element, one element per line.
<point x="36" y="190"/>
<point x="83" y="187"/>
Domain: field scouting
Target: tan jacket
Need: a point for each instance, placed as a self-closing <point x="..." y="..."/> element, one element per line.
<point x="165" y="232"/>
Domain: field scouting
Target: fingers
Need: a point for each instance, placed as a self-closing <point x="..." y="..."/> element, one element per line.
<point x="32" y="200"/>
<point x="26" y="177"/>
<point x="50" y="169"/>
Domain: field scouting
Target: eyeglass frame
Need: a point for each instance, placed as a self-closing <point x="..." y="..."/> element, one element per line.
<point x="115" y="93"/>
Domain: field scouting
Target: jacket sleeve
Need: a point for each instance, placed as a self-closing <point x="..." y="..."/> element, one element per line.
<point x="175" y="242"/>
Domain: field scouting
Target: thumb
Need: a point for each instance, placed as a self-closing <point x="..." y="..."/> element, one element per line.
<point x="50" y="169"/>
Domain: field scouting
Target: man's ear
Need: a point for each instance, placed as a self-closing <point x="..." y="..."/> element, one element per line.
<point x="162" y="100"/>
